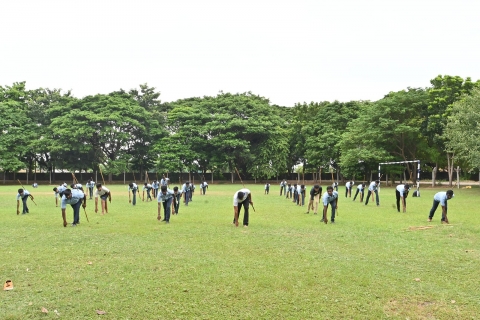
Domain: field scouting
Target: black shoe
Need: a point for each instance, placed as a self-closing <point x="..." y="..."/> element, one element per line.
<point x="164" y="220"/>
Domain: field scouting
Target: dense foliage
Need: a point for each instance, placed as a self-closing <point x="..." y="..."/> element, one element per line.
<point x="134" y="131"/>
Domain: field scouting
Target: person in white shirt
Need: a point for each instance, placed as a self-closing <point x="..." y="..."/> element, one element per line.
<point x="441" y="198"/>
<point x="348" y="188"/>
<point x="103" y="193"/>
<point x="373" y="188"/>
<point x="401" y="192"/>
<point x="267" y="188"/>
<point x="242" y="197"/>
<point x="133" y="187"/>
<point x="329" y="198"/>
<point x="360" y="189"/>
<point x="75" y="198"/>
<point x="148" y="188"/>
<point x="204" y="187"/>
<point x="23" y="194"/>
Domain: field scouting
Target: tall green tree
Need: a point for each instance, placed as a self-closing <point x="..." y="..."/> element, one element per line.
<point x="463" y="128"/>
<point x="444" y="92"/>
<point x="386" y="130"/>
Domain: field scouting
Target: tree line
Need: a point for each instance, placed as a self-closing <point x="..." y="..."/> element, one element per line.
<point x="133" y="131"/>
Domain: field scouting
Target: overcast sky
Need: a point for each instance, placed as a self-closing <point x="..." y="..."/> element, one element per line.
<point x="287" y="51"/>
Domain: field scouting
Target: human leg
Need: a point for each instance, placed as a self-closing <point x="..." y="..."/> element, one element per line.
<point x="397" y="194"/>
<point x="433" y="209"/>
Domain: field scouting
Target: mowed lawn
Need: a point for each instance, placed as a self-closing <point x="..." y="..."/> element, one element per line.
<point x="373" y="263"/>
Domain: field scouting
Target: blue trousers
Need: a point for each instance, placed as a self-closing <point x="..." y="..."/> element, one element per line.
<point x="76" y="211"/>
<point x="167" y="204"/>
<point x="434" y="208"/>
<point x="24" y="204"/>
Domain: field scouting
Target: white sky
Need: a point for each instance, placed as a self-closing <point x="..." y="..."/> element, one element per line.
<point x="287" y="51"/>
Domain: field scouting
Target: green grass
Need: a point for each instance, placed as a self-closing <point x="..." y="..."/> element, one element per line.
<point x="286" y="265"/>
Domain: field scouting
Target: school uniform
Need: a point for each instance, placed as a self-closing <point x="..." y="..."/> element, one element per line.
<point x="90" y="185"/>
<point x="204" y="187"/>
<point x="148" y="187"/>
<point x="348" y="188"/>
<point x="186" y="191"/>
<point x="267" y="188"/>
<point x="155" y="185"/>
<point x="360" y="189"/>
<point x="332" y="201"/>
<point x="24" y="196"/>
<point x="440" y="198"/>
<point x="134" y="189"/>
<point x="242" y="202"/>
<point x="371" y="189"/>
<point x="400" y="192"/>
<point x="75" y="202"/>
<point x="176" y="203"/>
<point x="166" y="200"/>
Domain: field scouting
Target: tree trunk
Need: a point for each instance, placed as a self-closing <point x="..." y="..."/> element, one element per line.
<point x="450" y="168"/>
<point x="458" y="177"/>
<point x="434" y="175"/>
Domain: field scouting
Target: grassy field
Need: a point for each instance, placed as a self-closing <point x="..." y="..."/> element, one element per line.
<point x="373" y="263"/>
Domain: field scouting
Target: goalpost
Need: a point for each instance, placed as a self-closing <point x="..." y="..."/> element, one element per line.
<point x="402" y="162"/>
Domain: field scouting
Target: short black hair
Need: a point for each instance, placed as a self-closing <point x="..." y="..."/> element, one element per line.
<point x="20" y="190"/>
<point x="67" y="192"/>
<point x="163" y="188"/>
<point x="240" y="195"/>
<point x="450" y="193"/>
<point x="175" y="188"/>
<point x="55" y="189"/>
<point x="406" y="186"/>
<point x="98" y="185"/>
<point x="316" y="186"/>
<point x="130" y="184"/>
<point x="329" y="188"/>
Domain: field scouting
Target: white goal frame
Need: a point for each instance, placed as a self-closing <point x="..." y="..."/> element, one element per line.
<point x="401" y="162"/>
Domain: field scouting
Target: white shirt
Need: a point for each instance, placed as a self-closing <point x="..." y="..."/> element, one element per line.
<point x="372" y="186"/>
<point x="326" y="198"/>
<point x="236" y="201"/>
<point x="349" y="184"/>
<point x="77" y="195"/>
<point x="441" y="197"/>
<point x="102" y="192"/>
<point x="401" y="189"/>
<point x="25" y="193"/>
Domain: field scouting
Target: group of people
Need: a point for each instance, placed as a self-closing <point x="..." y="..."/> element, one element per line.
<point x="298" y="193"/>
<point x="169" y="199"/>
<point x="75" y="196"/>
